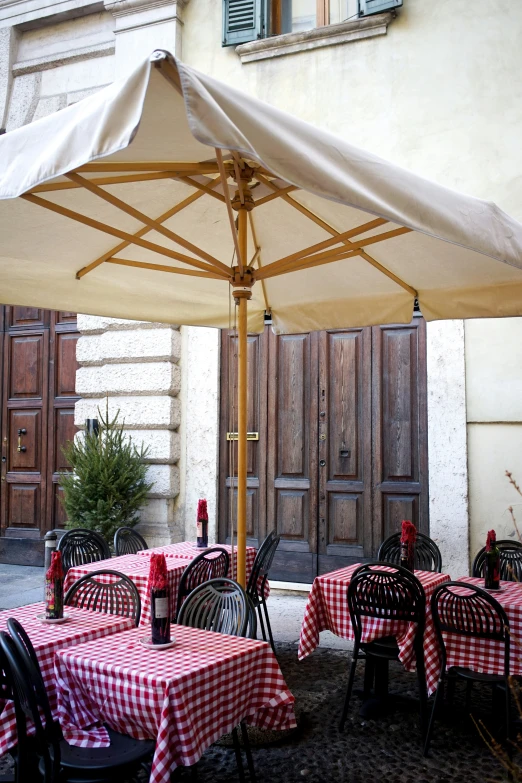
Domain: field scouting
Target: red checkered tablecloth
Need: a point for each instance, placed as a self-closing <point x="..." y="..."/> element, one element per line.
<point x="47" y="639"/>
<point x="137" y="567"/>
<point x="185" y="697"/>
<point x="327" y="610"/>
<point x="483" y="655"/>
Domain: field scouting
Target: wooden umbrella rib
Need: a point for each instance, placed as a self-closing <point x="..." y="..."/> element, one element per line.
<point x="145" y="230"/>
<point x="149" y="165"/>
<point x="342" y="237"/>
<point x="132" y="239"/>
<point x="303" y="264"/>
<point x="204" y="188"/>
<point x="135" y="213"/>
<point x="257" y="257"/>
<point x="163" y="268"/>
<point x="276" y="194"/>
<point x="388" y="273"/>
<point x="152" y="175"/>
<point x="221" y="165"/>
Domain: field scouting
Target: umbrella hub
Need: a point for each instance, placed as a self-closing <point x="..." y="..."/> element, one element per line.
<point x="243" y="199"/>
<point x="242" y="286"/>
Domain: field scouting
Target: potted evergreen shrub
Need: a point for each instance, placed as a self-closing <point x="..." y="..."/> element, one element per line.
<point x="108" y="482"/>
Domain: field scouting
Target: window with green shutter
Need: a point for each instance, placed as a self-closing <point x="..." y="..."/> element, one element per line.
<point x="378" y="6"/>
<point x="243" y="20"/>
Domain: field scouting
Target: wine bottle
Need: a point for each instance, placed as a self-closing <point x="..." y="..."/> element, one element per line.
<point x="159" y="600"/>
<point x="202" y="525"/>
<point x="408" y="537"/>
<point x="54" y="588"/>
<point x="492" y="563"/>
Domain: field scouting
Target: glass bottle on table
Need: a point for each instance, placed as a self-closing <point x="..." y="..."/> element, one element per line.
<point x="492" y="563"/>
<point x="159" y="600"/>
<point x="54" y="588"/>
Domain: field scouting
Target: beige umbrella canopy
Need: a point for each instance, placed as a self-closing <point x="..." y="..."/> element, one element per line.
<point x="167" y="193"/>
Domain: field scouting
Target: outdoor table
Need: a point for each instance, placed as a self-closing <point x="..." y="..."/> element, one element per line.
<point x="327" y="610"/>
<point x="137" y="568"/>
<point x="487" y="655"/>
<point x="47" y="639"/>
<point x="186" y="697"/>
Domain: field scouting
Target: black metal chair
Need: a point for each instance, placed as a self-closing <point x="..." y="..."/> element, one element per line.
<point x="81" y="546"/>
<point x="463" y="609"/>
<point x="106" y="591"/>
<point x="222" y="605"/>
<point x="59" y="761"/>
<point x="510" y="561"/>
<point x="427" y="553"/>
<point x="210" y="564"/>
<point x="257" y="582"/>
<point x="394" y="595"/>
<point x="128" y="541"/>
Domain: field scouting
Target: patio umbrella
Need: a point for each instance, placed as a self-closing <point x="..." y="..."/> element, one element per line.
<point x="168" y="194"/>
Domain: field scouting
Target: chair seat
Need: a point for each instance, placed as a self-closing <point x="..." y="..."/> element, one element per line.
<point x="469" y="674"/>
<point x="99" y="764"/>
<point x="386" y="647"/>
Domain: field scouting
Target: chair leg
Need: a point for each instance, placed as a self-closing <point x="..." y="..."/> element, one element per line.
<point x="469" y="686"/>
<point x="237" y="751"/>
<point x="369" y="674"/>
<point x="423" y="695"/>
<point x="440" y="690"/>
<point x="248" y="752"/>
<point x="269" y="627"/>
<point x="353" y="667"/>
<point x="508" y="711"/>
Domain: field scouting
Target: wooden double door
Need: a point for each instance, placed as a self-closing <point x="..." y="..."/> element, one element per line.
<point x="37" y="396"/>
<point x="339" y="454"/>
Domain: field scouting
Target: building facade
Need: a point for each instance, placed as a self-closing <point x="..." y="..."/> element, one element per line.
<point x="431" y="87"/>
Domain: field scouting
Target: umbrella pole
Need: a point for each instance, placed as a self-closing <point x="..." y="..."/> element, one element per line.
<point x="242" y="442"/>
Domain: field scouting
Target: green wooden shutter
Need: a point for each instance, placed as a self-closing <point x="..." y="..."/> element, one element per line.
<point x="378" y="6"/>
<point x="242" y="21"/>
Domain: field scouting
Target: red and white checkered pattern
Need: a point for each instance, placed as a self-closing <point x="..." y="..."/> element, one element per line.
<point x="487" y="656"/>
<point x="137" y="568"/>
<point x="185" y="697"/>
<point x="327" y="610"/>
<point x="47" y="639"/>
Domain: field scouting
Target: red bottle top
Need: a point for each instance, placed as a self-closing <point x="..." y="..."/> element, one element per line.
<point x="202" y="511"/>
<point x="158" y="571"/>
<point x="491" y="540"/>
<point x="55" y="570"/>
<point x="409" y="532"/>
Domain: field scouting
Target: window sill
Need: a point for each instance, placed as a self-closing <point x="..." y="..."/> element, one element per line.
<point x="331" y="35"/>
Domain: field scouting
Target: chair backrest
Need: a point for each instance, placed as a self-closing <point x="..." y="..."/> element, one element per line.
<point x="81" y="546"/>
<point x="211" y="564"/>
<point x="217" y="605"/>
<point x="427" y="553"/>
<point x="510" y="561"/>
<point x="128" y="541"/>
<point x="31" y="704"/>
<point x="262" y="564"/>
<point x="106" y="591"/>
<point x="466" y="610"/>
<point x="392" y="593"/>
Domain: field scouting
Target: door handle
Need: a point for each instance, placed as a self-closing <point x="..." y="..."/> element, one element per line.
<point x="21" y="431"/>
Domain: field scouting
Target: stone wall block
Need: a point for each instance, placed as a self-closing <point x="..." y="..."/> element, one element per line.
<point x="139" y="413"/>
<point x="96" y="324"/>
<point x="166" y="481"/>
<point x="25" y="93"/>
<point x="163" y="445"/>
<point x="153" y="378"/>
<point x="130" y="346"/>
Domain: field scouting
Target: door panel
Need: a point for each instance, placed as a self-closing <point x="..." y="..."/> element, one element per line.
<point x="24" y="441"/>
<point x="400" y="427"/>
<point x="256" y="452"/>
<point x="26" y="366"/>
<point x="344" y="448"/>
<point x="292" y="452"/>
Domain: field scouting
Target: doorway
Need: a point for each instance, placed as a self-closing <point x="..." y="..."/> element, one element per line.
<point x="37" y="396"/>
<point x="338" y="454"/>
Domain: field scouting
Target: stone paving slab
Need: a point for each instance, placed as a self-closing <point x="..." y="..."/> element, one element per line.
<point x="20" y="585"/>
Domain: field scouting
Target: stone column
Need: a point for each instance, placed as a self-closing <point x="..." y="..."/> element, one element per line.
<point x="135" y="364"/>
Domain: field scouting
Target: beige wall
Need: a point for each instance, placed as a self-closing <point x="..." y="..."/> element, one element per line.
<point x="494" y="414"/>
